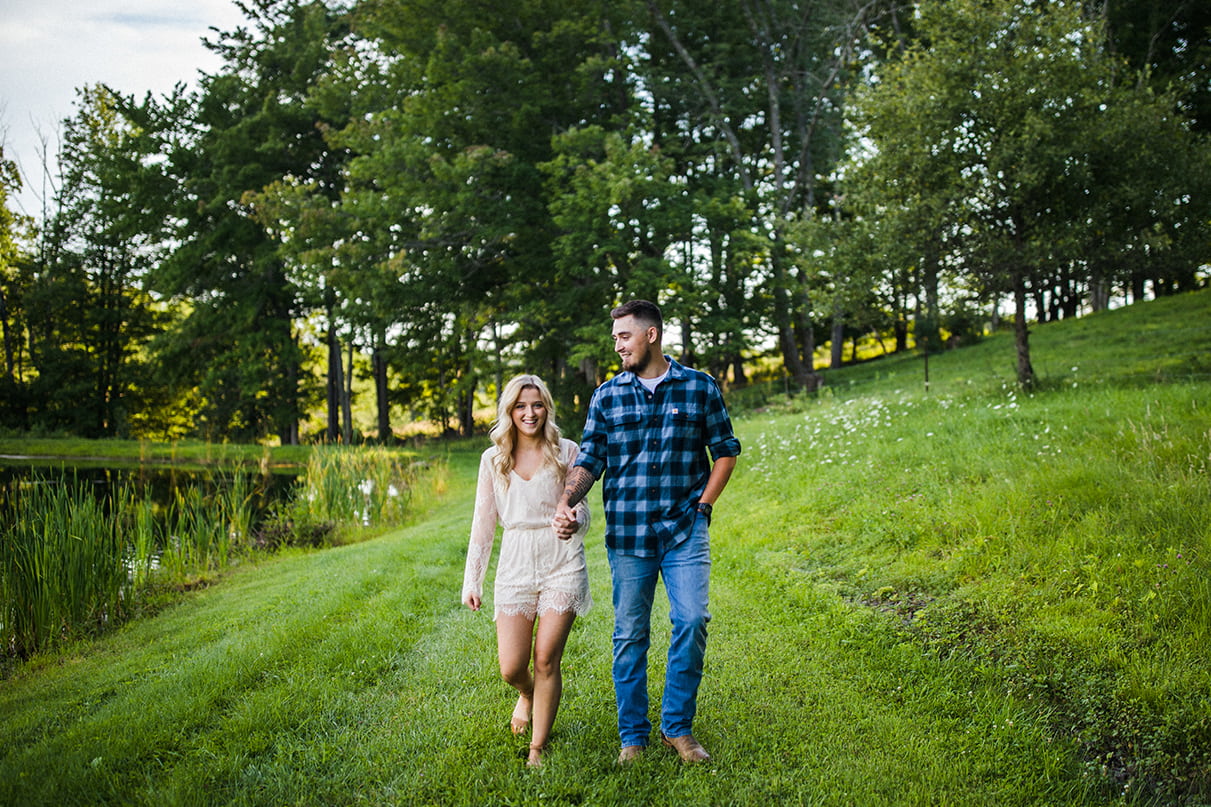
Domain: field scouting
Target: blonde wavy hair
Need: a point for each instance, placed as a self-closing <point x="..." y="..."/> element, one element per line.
<point x="504" y="433"/>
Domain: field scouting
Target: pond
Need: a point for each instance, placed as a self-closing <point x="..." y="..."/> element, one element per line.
<point x="159" y="483"/>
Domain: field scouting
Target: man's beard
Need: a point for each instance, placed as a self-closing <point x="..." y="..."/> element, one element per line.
<point x="638" y="365"/>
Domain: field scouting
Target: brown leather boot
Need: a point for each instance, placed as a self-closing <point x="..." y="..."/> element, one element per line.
<point x="689" y="749"/>
<point x="629" y="754"/>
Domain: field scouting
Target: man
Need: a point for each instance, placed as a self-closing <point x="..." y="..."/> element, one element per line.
<point x="650" y="427"/>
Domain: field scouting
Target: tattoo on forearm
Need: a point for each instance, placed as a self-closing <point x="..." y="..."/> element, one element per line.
<point x="577" y="485"/>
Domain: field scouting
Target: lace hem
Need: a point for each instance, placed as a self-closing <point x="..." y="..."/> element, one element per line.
<point x="551" y="603"/>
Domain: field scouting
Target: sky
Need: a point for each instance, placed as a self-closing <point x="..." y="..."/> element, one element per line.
<point x="49" y="48"/>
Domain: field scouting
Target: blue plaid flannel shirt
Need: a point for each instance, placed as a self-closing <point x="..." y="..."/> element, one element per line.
<point x="652" y="449"/>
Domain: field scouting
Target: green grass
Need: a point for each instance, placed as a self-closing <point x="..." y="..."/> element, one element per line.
<point x="970" y="596"/>
<point x="1164" y="340"/>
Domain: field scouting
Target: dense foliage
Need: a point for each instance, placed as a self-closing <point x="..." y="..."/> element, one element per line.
<point x="406" y="201"/>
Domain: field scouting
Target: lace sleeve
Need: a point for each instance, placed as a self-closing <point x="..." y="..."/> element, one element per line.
<point x="582" y="519"/>
<point x="483" y="530"/>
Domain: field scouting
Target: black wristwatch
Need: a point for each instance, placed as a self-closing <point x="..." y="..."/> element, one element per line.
<point x="705" y="509"/>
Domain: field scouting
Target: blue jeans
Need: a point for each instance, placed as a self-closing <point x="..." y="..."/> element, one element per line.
<point x="685" y="568"/>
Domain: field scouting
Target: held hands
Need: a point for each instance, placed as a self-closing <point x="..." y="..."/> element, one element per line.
<point x="565" y="522"/>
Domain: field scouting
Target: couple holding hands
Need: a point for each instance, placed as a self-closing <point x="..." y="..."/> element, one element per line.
<point x="648" y="431"/>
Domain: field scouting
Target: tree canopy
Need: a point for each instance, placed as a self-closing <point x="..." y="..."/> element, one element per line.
<point x="419" y="198"/>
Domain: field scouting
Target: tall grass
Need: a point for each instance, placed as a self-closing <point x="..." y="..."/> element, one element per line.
<point x="203" y="531"/>
<point x="355" y="488"/>
<point x="62" y="567"/>
<point x="72" y="562"/>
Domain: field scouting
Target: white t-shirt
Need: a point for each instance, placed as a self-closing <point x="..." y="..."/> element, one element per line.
<point x="650" y="384"/>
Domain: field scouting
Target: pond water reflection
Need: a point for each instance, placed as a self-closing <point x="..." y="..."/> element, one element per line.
<point x="159" y="483"/>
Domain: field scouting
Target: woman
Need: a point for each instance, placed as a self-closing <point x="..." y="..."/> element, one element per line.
<point x="542" y="583"/>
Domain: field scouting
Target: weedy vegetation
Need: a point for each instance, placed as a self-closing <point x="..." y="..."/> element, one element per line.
<point x="73" y="563"/>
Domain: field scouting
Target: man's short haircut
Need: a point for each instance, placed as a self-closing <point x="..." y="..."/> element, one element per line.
<point x="642" y="310"/>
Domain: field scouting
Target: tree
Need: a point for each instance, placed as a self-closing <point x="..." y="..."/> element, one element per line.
<point x="91" y="317"/>
<point x="989" y="131"/>
<point x="11" y="228"/>
<point x="849" y="278"/>
<point x="14" y="282"/>
<point x="447" y="163"/>
<point x="770" y="92"/>
<point x="248" y="127"/>
<point x="619" y="209"/>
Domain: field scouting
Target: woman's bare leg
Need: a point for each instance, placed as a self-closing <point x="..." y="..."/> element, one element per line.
<point x="514" y="638"/>
<point x="549" y="643"/>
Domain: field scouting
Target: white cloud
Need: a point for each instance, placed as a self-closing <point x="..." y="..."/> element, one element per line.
<point x="53" y="47"/>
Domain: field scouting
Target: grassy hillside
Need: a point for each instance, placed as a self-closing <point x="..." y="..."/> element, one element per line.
<point x="1058" y="540"/>
<point x="965" y="595"/>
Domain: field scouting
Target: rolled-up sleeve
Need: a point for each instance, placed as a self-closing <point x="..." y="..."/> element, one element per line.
<point x="720" y="438"/>
<point x="594" y="442"/>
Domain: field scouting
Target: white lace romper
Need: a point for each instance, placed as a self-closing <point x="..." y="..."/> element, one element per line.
<point x="536" y="573"/>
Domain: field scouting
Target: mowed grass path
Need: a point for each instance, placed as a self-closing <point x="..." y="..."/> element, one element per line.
<point x="354" y="676"/>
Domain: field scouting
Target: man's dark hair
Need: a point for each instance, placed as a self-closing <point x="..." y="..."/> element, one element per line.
<point x="642" y="310"/>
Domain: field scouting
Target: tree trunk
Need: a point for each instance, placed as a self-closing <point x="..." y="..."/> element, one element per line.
<point x="1099" y="294"/>
<point x="808" y="339"/>
<point x="739" y="378"/>
<point x="799" y="372"/>
<point x="927" y="331"/>
<point x="1072" y="305"/>
<point x="1021" y="332"/>
<point x="1040" y="304"/>
<point x="9" y="363"/>
<point x="837" y="354"/>
<point x="347" y="400"/>
<point x="931" y="298"/>
<point x="382" y="400"/>
<point x="466" y="413"/>
<point x="498" y="360"/>
<point x="687" y="343"/>
<point x="289" y="436"/>
<point x="465" y="396"/>
<point x="333" y="386"/>
<point x="1138" y="282"/>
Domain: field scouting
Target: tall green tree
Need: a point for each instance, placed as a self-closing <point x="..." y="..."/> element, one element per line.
<point x="14" y="281"/>
<point x="10" y="260"/>
<point x="765" y="80"/>
<point x="248" y="127"/>
<point x="620" y="210"/>
<point x="454" y="156"/>
<point x="91" y="316"/>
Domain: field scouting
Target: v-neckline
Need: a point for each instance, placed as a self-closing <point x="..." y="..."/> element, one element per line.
<point x="524" y="479"/>
<point x="538" y="468"/>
